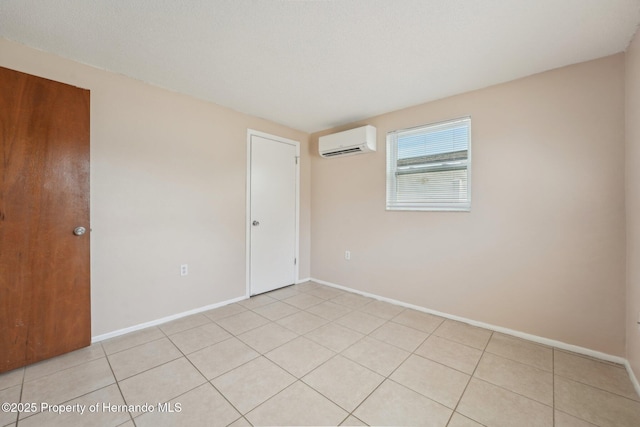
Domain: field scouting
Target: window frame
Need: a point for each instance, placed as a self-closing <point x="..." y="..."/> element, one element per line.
<point x="392" y="202"/>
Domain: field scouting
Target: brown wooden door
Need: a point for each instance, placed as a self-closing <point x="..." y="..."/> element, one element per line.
<point x="44" y="196"/>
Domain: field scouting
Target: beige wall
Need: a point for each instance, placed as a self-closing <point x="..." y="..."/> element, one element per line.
<point x="633" y="202"/>
<point x="542" y="250"/>
<point x="168" y="176"/>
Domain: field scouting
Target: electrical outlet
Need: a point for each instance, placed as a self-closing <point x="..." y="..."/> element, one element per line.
<point x="347" y="255"/>
<point x="184" y="269"/>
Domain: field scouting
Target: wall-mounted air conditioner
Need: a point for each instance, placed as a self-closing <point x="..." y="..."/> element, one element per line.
<point x="353" y="141"/>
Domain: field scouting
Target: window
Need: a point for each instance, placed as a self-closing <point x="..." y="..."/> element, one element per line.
<point x="429" y="167"/>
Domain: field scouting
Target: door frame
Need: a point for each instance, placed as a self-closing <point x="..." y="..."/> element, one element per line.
<point x="296" y="144"/>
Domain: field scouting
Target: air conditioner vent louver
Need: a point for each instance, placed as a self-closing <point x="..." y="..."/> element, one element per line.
<point x="346" y="151"/>
<point x="353" y="141"/>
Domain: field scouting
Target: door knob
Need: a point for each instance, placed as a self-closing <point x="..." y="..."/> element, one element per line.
<point x="255" y="223"/>
<point x="79" y="231"/>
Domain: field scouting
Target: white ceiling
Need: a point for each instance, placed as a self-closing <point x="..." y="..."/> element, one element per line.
<point x="316" y="64"/>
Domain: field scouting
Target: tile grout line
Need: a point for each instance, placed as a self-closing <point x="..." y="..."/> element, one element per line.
<point x="349" y="413"/>
<point x="471" y="377"/>
<point x="84" y="394"/>
<point x="133" y="346"/>
<point x="157" y="366"/>
<point x="529" y="365"/>
<point x="59" y="370"/>
<point x="136" y="346"/>
<point x="590" y="385"/>
<point x="34" y="414"/>
<point x="148" y="369"/>
<point x="553" y="385"/>
<point x="272" y="349"/>
<point x="515" y="392"/>
<point x="335" y="354"/>
<point x="588" y="357"/>
<point x="271" y="397"/>
<point x="243" y="415"/>
<point x="322" y="394"/>
<point x="451" y="367"/>
<point x="56" y="372"/>
<point x="184" y="320"/>
<point x="598" y="388"/>
<point x="550" y="371"/>
<point x="207" y="380"/>
<point x="388" y="377"/>
<point x="118" y="385"/>
<point x="24" y="374"/>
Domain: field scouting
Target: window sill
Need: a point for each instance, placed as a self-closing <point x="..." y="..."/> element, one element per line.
<point x="430" y="208"/>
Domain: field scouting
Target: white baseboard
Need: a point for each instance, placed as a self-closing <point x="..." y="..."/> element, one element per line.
<point x="156" y="322"/>
<point x="632" y="375"/>
<point x="535" y="338"/>
<point x="306" y="279"/>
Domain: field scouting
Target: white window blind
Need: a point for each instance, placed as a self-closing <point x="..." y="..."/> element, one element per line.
<point x="429" y="167"/>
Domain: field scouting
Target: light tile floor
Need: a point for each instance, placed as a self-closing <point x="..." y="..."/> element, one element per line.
<point x="313" y="355"/>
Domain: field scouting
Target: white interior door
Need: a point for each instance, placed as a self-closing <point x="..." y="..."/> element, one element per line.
<point x="272" y="213"/>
